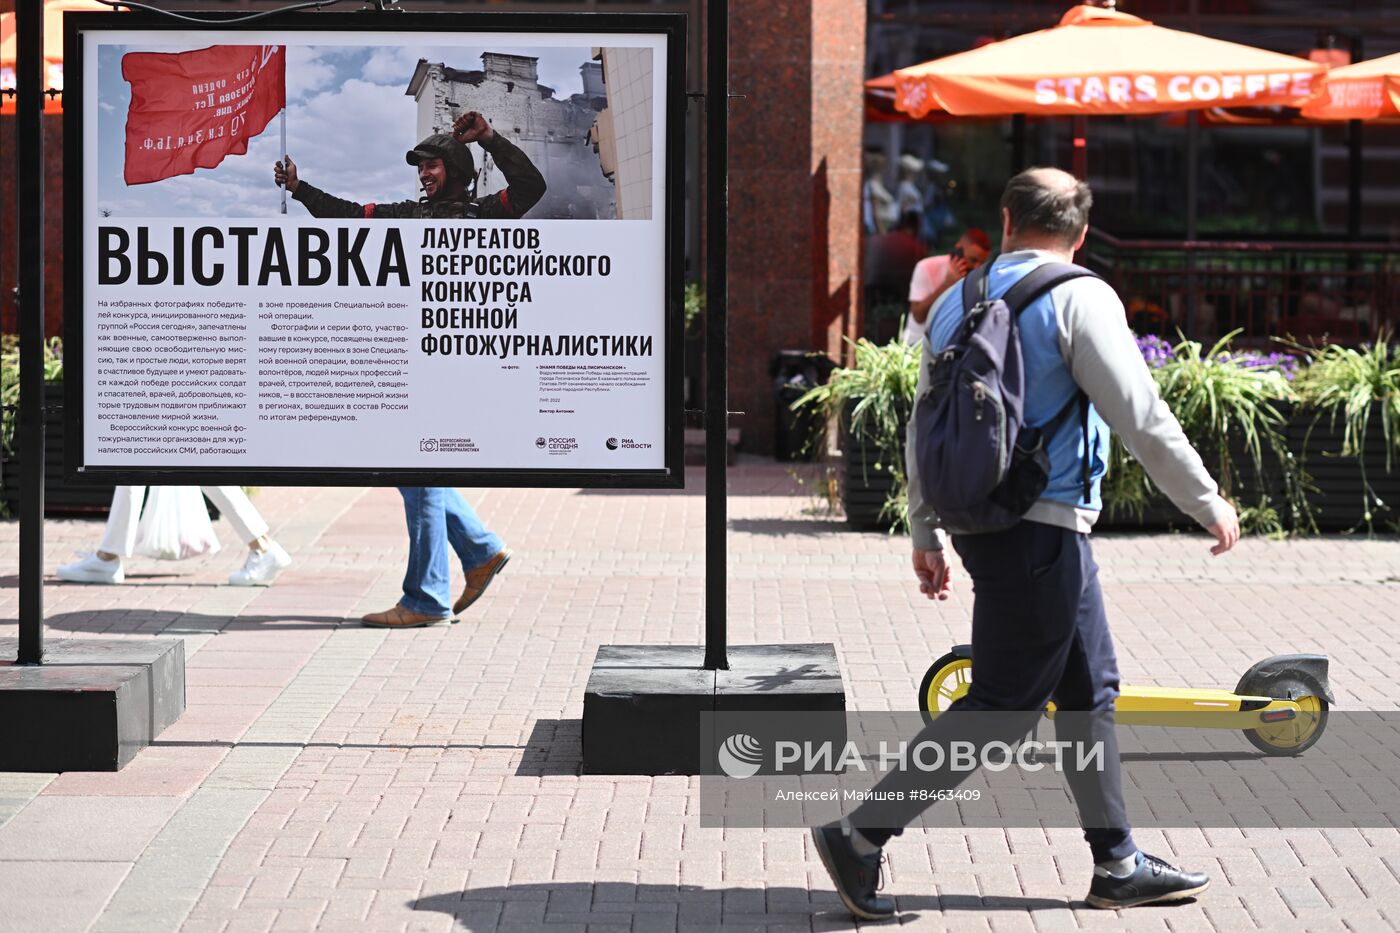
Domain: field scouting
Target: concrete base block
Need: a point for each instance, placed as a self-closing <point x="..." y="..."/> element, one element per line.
<point x="91" y="706"/>
<point x="643" y="704"/>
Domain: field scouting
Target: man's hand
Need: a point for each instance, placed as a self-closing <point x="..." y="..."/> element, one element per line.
<point x="471" y="127"/>
<point x="935" y="579"/>
<point x="1226" y="531"/>
<point x="286" y="175"/>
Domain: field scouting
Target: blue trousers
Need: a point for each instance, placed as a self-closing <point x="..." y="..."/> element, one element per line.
<point x="438" y="518"/>
<point x="1039" y="632"/>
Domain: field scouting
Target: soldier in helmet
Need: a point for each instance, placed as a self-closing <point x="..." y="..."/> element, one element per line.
<point x="447" y="173"/>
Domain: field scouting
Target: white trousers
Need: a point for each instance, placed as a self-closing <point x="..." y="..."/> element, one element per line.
<point x="120" y="535"/>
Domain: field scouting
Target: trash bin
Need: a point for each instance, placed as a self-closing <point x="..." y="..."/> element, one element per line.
<point x="794" y="372"/>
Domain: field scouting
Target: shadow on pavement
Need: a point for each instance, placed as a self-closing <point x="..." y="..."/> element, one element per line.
<point x="376" y="746"/>
<point x="752" y="476"/>
<point x="810" y="527"/>
<point x="618" y="905"/>
<point x="11" y="581"/>
<point x="554" y="749"/>
<point x="169" y="622"/>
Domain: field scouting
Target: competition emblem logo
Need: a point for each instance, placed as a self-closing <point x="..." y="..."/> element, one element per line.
<point x="740" y="756"/>
<point x="428" y="445"/>
<point x="612" y="443"/>
<point x="540" y="442"/>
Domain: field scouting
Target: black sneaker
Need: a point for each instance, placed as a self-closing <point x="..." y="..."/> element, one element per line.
<point x="1153" y="882"/>
<point x="857" y="877"/>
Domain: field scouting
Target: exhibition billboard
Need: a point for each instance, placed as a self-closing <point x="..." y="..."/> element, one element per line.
<point x="413" y="249"/>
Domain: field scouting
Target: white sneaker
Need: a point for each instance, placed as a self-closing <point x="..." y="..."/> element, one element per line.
<point x="261" y="567"/>
<point x="93" y="569"/>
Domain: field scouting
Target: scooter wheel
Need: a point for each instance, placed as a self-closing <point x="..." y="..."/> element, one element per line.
<point x="948" y="679"/>
<point x="1297" y="735"/>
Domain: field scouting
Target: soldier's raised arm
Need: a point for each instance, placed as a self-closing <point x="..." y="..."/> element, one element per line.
<point x="524" y="183"/>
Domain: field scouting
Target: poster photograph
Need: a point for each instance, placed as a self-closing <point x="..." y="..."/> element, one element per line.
<point x="417" y="252"/>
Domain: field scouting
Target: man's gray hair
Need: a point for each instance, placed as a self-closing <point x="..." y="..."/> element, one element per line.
<point x="1048" y="200"/>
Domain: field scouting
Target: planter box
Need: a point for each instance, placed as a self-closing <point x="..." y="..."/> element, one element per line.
<point x="60" y="498"/>
<point x="865" y="489"/>
<point x="1160" y="513"/>
<point x="1338" y="501"/>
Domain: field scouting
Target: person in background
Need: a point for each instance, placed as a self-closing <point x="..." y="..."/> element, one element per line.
<point x="938" y="215"/>
<point x="890" y="258"/>
<point x="266" y="558"/>
<point x="877" y="204"/>
<point x="936" y="274"/>
<point x="909" y="197"/>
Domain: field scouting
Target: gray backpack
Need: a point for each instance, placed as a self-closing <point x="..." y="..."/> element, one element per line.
<point x="980" y="466"/>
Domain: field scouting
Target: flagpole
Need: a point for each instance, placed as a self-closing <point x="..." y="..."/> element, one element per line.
<point x="284" y="156"/>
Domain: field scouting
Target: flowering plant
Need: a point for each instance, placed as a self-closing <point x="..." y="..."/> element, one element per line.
<point x="1229" y="403"/>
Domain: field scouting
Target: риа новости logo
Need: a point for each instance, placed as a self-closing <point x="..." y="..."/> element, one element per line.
<point x="740" y="756"/>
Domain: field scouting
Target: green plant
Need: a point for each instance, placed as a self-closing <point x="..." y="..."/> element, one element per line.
<point x="881" y="384"/>
<point x="1229" y="407"/>
<point x="9" y="382"/>
<point x="1357" y="384"/>
<point x="821" y="484"/>
<point x="694" y="301"/>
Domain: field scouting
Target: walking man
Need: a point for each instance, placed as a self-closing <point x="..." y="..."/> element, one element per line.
<point x="1039" y="631"/>
<point x="440" y="518"/>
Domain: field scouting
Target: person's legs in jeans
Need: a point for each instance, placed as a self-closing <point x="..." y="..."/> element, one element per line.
<point x="1090" y="686"/>
<point x="1028" y="582"/>
<point x="474" y="544"/>
<point x="427" y="580"/>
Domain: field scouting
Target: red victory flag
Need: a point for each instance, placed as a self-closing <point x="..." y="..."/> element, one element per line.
<point x="191" y="109"/>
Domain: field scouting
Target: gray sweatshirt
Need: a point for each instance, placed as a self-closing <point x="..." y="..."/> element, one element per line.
<point x="1102" y="354"/>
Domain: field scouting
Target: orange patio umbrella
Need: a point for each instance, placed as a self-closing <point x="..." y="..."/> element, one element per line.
<point x="53" y="49"/>
<point x="879" y="102"/>
<point x="1103" y="62"/>
<point x="1368" y="90"/>
<point x="879" y="105"/>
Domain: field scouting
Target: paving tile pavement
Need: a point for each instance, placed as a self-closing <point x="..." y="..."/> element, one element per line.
<point x="328" y="776"/>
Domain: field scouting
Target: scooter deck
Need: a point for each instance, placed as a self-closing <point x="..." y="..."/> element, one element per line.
<point x="1200" y="708"/>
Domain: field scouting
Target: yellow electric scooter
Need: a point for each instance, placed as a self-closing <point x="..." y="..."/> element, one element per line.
<point x="1280" y="703"/>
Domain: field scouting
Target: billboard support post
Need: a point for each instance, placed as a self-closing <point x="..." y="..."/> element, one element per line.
<point x="646" y="707"/>
<point x="29" y="156"/>
<point x="97" y="701"/>
<point x="716" y="333"/>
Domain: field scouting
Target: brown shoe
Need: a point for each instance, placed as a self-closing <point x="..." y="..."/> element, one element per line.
<point x="399" y="617"/>
<point x="479" y="578"/>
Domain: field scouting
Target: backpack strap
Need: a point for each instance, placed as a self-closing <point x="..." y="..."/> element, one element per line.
<point x="1039" y="281"/>
<point x="975" y="288"/>
<point x="1032" y="285"/>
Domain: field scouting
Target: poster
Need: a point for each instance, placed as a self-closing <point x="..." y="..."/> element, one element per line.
<point x="416" y="251"/>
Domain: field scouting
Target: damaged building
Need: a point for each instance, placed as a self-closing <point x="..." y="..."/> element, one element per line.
<point x="561" y="136"/>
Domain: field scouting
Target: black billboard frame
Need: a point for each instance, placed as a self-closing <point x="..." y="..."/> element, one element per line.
<point x="670" y="25"/>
